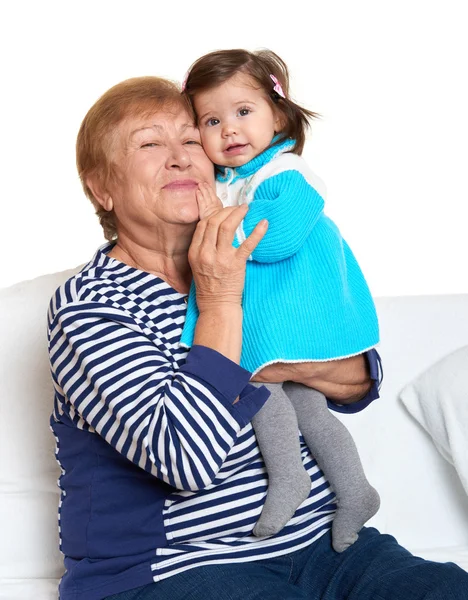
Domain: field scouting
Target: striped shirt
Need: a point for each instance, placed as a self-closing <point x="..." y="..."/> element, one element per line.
<point x="160" y="470"/>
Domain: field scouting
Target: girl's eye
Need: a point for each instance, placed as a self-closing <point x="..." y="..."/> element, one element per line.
<point x="212" y="122"/>
<point x="243" y="112"/>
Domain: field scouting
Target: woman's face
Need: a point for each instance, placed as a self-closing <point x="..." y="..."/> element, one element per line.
<point x="159" y="162"/>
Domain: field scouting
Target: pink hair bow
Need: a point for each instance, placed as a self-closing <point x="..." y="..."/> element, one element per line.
<point x="277" y="87"/>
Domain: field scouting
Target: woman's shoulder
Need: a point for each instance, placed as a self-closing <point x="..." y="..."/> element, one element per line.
<point x="89" y="286"/>
<point x="75" y="291"/>
<point x="111" y="290"/>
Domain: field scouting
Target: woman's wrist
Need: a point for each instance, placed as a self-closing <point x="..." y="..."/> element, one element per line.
<point x="219" y="327"/>
<point x="218" y="304"/>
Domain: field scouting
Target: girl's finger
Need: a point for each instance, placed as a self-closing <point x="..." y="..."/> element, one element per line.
<point x="208" y="202"/>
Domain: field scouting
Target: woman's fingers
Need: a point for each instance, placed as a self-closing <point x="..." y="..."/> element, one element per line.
<point x="217" y="229"/>
<point x="198" y="235"/>
<point x="249" y="245"/>
<point x="217" y="223"/>
<point x="228" y="225"/>
<point x="218" y="267"/>
<point x="208" y="204"/>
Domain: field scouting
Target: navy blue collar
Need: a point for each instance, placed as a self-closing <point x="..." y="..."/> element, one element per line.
<point x="232" y="174"/>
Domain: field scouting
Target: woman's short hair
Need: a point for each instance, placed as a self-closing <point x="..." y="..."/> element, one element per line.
<point x="136" y="97"/>
<point x="213" y="69"/>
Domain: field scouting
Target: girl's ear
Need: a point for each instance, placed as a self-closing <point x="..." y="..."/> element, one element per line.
<point x="280" y="121"/>
<point x="100" y="193"/>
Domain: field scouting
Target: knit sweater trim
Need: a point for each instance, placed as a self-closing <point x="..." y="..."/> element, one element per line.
<point x="310" y="360"/>
<point x="229" y="174"/>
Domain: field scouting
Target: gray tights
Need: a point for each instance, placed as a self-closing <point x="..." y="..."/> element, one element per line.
<point x="293" y="406"/>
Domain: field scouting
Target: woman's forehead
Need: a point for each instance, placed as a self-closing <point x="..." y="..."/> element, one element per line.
<point x="168" y="120"/>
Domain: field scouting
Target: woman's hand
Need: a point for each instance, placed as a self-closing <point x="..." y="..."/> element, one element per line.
<point x="344" y="381"/>
<point x="218" y="268"/>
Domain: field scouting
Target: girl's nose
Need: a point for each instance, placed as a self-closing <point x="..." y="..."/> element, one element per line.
<point x="229" y="129"/>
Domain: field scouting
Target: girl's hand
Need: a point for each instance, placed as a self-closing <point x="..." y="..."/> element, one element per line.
<point x="218" y="268"/>
<point x="208" y="201"/>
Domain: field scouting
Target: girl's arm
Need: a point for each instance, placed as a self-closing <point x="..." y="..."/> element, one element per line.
<point x="292" y="207"/>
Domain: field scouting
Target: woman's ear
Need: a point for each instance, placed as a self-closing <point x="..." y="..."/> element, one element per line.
<point x="100" y="192"/>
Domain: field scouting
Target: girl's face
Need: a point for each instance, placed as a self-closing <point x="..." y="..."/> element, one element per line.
<point x="236" y="121"/>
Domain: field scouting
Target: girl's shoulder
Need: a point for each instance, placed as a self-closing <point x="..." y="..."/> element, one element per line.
<point x="288" y="163"/>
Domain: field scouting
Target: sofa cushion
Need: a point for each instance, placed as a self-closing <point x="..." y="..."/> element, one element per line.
<point x="400" y="459"/>
<point x="28" y="470"/>
<point x="438" y="400"/>
<point x="414" y="334"/>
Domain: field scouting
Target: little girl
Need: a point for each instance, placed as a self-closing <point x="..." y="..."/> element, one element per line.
<point x="305" y="298"/>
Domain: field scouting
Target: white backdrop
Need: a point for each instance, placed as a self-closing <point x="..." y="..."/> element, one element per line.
<point x="389" y="79"/>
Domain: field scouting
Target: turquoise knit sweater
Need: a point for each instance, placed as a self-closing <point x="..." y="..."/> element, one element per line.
<point x="305" y="297"/>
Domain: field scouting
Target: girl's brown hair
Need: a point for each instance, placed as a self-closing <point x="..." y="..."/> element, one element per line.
<point x="213" y="69"/>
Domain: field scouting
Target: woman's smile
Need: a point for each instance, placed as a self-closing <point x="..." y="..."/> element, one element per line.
<point x="181" y="184"/>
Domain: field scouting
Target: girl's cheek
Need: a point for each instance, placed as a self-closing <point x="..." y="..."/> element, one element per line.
<point x="205" y="139"/>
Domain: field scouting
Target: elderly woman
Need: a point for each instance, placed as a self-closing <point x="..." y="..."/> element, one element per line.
<point x="162" y="479"/>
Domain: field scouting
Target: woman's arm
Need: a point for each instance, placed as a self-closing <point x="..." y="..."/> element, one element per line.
<point x="219" y="272"/>
<point x="113" y="375"/>
<point x="344" y="381"/>
<point x="111" y="378"/>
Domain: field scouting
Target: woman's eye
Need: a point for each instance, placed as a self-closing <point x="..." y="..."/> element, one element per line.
<point x="194" y="142"/>
<point x="212" y="122"/>
<point x="149" y="145"/>
<point x="243" y="112"/>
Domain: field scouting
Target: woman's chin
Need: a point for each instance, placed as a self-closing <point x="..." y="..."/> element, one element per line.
<point x="188" y="214"/>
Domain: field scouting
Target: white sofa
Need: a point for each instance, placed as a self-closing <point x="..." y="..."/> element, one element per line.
<point x="423" y="502"/>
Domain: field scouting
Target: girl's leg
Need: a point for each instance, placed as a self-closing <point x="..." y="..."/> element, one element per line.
<point x="277" y="433"/>
<point x="335" y="451"/>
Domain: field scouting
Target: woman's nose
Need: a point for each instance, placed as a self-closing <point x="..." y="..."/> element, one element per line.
<point x="178" y="157"/>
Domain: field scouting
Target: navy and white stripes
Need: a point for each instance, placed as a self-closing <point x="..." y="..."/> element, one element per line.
<point x="161" y="470"/>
